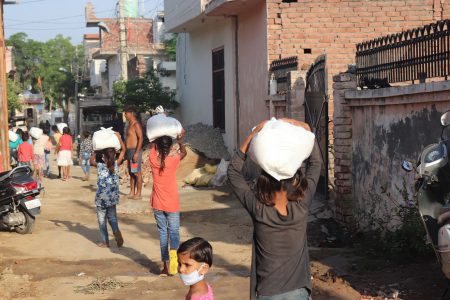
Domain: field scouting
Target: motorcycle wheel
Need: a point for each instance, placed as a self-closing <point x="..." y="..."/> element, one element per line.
<point x="28" y="226"/>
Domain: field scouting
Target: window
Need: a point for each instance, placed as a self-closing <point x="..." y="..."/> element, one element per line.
<point x="218" y="82"/>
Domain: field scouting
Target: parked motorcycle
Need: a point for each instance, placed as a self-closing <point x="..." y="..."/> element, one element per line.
<point x="432" y="194"/>
<point x="19" y="204"/>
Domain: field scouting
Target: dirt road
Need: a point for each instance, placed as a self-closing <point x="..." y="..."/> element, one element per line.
<point x="61" y="260"/>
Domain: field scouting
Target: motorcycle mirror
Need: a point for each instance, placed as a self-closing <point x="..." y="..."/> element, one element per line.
<point x="407" y="166"/>
<point x="445" y="118"/>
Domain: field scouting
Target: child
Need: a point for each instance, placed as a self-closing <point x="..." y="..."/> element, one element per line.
<point x="279" y="211"/>
<point x="39" y="155"/>
<point x="25" y="152"/>
<point x="107" y="196"/>
<point x="56" y="137"/>
<point x="85" y="154"/>
<point x="47" y="150"/>
<point x="64" y="150"/>
<point x="194" y="261"/>
<point x="164" y="162"/>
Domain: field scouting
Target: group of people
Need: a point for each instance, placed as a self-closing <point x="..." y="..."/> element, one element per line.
<point x="278" y="208"/>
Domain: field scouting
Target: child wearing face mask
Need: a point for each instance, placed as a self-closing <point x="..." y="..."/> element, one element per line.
<point x="194" y="261"/>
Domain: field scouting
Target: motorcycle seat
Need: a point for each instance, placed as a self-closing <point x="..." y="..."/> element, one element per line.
<point x="444" y="214"/>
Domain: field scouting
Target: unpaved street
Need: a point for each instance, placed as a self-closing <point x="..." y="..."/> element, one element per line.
<point x="61" y="260"/>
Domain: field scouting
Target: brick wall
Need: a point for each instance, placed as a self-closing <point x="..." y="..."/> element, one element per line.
<point x="334" y="27"/>
<point x="139" y="34"/>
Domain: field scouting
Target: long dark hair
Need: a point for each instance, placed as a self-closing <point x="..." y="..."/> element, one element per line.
<point x="109" y="155"/>
<point x="266" y="187"/>
<point x="163" y="145"/>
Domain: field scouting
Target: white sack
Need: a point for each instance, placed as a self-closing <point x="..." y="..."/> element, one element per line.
<point x="161" y="125"/>
<point x="12" y="136"/>
<point x="36" y="132"/>
<point x="105" y="138"/>
<point x="61" y="127"/>
<point x="280" y="148"/>
<point x="220" y="178"/>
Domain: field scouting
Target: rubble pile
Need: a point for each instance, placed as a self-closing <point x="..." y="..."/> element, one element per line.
<point x="207" y="140"/>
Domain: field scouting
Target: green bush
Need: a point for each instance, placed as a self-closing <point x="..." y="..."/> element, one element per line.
<point x="145" y="94"/>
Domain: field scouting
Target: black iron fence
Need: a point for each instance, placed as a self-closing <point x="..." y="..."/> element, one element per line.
<point x="414" y="54"/>
<point x="280" y="68"/>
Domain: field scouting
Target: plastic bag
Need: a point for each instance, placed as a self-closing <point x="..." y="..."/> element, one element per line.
<point x="13" y="137"/>
<point x="105" y="138"/>
<point x="36" y="133"/>
<point x="61" y="127"/>
<point x="161" y="125"/>
<point x="220" y="178"/>
<point x="211" y="169"/>
<point x="280" y="148"/>
<point x="194" y="176"/>
<point x="204" y="180"/>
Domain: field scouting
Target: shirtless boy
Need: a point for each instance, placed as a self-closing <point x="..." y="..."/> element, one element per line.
<point x="134" y="139"/>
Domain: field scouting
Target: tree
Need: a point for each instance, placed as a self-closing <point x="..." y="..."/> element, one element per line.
<point x="13" y="91"/>
<point x="145" y="94"/>
<point x="170" y="48"/>
<point x="46" y="60"/>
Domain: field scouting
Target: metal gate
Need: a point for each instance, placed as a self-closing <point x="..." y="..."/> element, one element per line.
<point x="316" y="113"/>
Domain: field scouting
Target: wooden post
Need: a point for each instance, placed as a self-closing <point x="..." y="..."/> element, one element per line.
<point x="4" y="140"/>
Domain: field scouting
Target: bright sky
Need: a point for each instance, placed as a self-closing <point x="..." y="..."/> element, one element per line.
<point x="43" y="19"/>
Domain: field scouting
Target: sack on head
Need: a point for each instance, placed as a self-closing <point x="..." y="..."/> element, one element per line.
<point x="105" y="138"/>
<point x="280" y="148"/>
<point x="61" y="127"/>
<point x="13" y="137"/>
<point x="35" y="132"/>
<point x="161" y="125"/>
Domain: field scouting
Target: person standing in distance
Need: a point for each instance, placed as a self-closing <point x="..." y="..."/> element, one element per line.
<point x="134" y="140"/>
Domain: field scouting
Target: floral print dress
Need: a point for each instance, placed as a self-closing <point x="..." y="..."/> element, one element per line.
<point x="108" y="186"/>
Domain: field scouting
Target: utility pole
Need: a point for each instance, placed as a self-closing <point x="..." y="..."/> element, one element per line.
<point x="77" y="114"/>
<point x="123" y="42"/>
<point x="4" y="139"/>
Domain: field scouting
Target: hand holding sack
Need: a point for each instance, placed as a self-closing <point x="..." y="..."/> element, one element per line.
<point x="161" y="125"/>
<point x="280" y="148"/>
<point x="36" y="133"/>
<point x="105" y="138"/>
<point x="61" y="127"/>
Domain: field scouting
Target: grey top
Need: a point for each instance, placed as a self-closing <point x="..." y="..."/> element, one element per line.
<point x="280" y="261"/>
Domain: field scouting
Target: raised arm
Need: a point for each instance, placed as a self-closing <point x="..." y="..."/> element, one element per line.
<point x="236" y="176"/>
<point x="183" y="151"/>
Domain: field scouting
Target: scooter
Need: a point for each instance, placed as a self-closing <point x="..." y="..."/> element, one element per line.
<point x="19" y="204"/>
<point x="432" y="195"/>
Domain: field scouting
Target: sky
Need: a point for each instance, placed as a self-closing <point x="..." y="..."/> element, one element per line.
<point x="42" y="20"/>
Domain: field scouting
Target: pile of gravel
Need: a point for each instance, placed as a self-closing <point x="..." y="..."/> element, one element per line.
<point x="207" y="140"/>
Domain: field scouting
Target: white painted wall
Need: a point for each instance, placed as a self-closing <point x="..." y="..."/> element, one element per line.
<point x="253" y="68"/>
<point x="97" y="66"/>
<point x="194" y="75"/>
<point x="179" y="12"/>
<point x="113" y="72"/>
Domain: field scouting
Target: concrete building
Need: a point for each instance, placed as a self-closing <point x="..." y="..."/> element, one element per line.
<point x="247" y="36"/>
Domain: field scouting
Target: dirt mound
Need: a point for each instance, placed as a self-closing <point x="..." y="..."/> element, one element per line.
<point x="207" y="140"/>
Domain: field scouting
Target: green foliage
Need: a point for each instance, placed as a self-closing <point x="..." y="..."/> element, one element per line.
<point x="145" y="94"/>
<point x="35" y="59"/>
<point x="170" y="48"/>
<point x="13" y="91"/>
<point x="401" y="243"/>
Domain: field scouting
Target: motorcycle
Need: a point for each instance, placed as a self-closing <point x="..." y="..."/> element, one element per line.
<point x="432" y="194"/>
<point x="19" y="204"/>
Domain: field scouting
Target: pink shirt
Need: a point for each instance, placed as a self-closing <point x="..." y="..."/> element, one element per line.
<point x="207" y="296"/>
<point x="65" y="142"/>
<point x="25" y="152"/>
